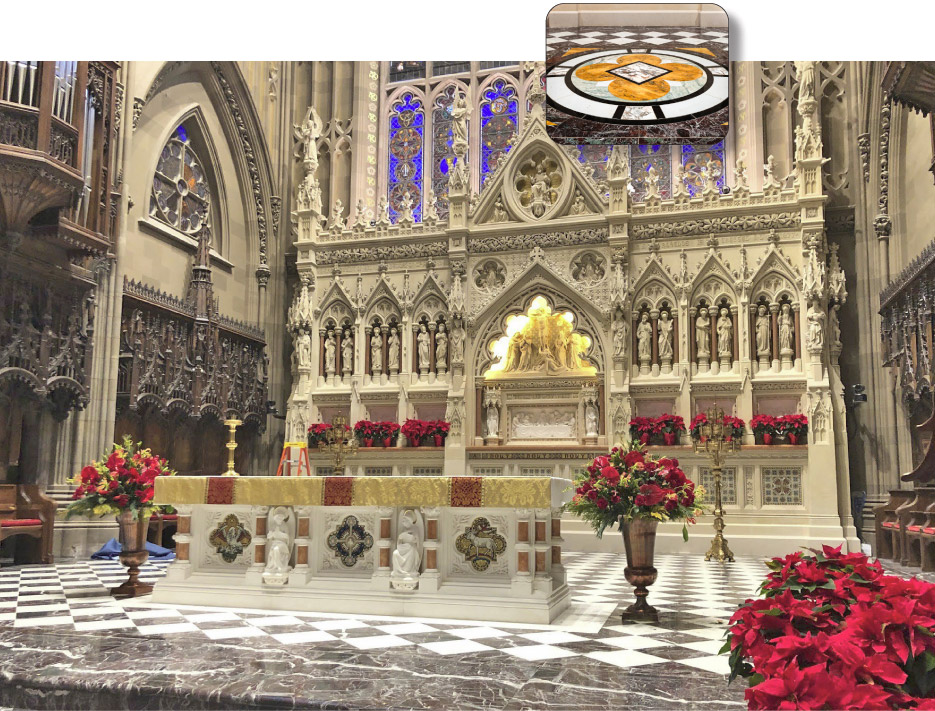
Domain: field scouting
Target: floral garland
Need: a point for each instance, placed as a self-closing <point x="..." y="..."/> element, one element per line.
<point x="628" y="484"/>
<point x="832" y="631"/>
<point x="122" y="481"/>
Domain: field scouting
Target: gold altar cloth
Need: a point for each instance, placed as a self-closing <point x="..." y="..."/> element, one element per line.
<point x="459" y="491"/>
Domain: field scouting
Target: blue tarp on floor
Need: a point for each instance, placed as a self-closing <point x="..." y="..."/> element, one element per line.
<point x="111" y="550"/>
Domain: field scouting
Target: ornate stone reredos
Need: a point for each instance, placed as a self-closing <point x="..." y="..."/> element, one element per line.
<point x="336" y="300"/>
<point x="653" y="287"/>
<point x="714" y="281"/>
<point x="774" y="265"/>
<point x="431" y="300"/>
<point x="516" y="174"/>
<point x="383" y="302"/>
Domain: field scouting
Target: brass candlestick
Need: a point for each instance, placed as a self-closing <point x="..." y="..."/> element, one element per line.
<point x="232" y="425"/>
<point x="713" y="442"/>
<point x="340" y="443"/>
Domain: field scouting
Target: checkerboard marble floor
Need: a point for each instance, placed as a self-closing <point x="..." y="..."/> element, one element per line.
<point x="694" y="598"/>
<point x="625" y="38"/>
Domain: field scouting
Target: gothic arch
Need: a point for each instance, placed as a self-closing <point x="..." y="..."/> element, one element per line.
<point x="653" y="288"/>
<point x="713" y="282"/>
<point x="430" y="302"/>
<point x="383" y="304"/>
<point x="774" y="279"/>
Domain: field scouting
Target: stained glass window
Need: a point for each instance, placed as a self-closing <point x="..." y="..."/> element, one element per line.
<point x="401" y="71"/>
<point x="407" y="125"/>
<point x="595" y="155"/>
<point x="498" y="113"/>
<point x="644" y="157"/>
<point x="443" y="157"/>
<point x="180" y="196"/>
<point x="695" y="157"/>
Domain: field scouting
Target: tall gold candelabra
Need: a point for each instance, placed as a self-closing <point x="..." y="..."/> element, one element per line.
<point x="714" y="443"/>
<point x="339" y="442"/>
<point x="232" y="425"/>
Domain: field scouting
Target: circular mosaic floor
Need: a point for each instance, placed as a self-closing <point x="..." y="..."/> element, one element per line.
<point x="638" y="86"/>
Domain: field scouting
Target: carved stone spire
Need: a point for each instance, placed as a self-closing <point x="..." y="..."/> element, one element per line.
<point x="200" y="288"/>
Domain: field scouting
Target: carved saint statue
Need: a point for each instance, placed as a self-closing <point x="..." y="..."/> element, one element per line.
<point x="499" y="212"/>
<point x="278" y="547"/>
<point x="590" y="420"/>
<point x="763" y="328"/>
<point x="303" y="349"/>
<point x="579" y="207"/>
<point x="771" y="179"/>
<point x="644" y="335"/>
<point x="441" y="347"/>
<point x="376" y="351"/>
<point x="816" y="326"/>
<point x="703" y="333"/>
<point x="331" y="346"/>
<point x="835" y="326"/>
<point x="493" y="420"/>
<point x="407" y="558"/>
<point x="308" y="133"/>
<point x="424" y="341"/>
<point x="664" y="342"/>
<point x="457" y="344"/>
<point x="459" y="129"/>
<point x="392" y="349"/>
<point x="725" y="334"/>
<point x="620" y="335"/>
<point x="786" y="329"/>
<point x="347" y="352"/>
<point x="383" y="211"/>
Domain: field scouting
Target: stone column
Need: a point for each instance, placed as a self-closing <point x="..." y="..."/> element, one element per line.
<point x="542" y="546"/>
<point x="428" y="581"/>
<point x="774" y="319"/>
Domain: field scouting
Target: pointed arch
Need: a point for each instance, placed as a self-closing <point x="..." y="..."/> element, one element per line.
<point x="336" y="306"/>
<point x="653" y="288"/>
<point x="382" y="303"/>
<point x="713" y="281"/>
<point x="774" y="279"/>
<point x="430" y="301"/>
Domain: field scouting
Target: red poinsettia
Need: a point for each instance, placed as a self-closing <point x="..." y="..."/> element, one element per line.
<point x="833" y="631"/>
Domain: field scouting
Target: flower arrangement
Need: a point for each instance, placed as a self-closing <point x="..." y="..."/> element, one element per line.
<point x="417" y="430"/>
<point x="733" y="425"/>
<point x="367" y="431"/>
<point x="122" y="481"/>
<point x="318" y="432"/>
<point x="628" y="484"/>
<point x="669" y="426"/>
<point x="388" y="432"/>
<point x="768" y="427"/>
<point x="833" y="631"/>
<point x="642" y="428"/>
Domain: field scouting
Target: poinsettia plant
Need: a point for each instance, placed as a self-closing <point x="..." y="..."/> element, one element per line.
<point x="793" y="425"/>
<point x="671" y="424"/>
<point x="366" y="429"/>
<point x="640" y="426"/>
<point x="833" y="631"/>
<point x="733" y="426"/>
<point x="388" y="430"/>
<point x="763" y="424"/>
<point x="318" y="432"/>
<point x="628" y="483"/>
<point x="124" y="480"/>
<point x="415" y="430"/>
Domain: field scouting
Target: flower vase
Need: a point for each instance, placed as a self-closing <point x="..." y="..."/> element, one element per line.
<point x="644" y="438"/>
<point x="639" y="538"/>
<point x="368" y="441"/>
<point x="387" y="442"/>
<point x="132" y="532"/>
<point x="668" y="438"/>
<point x="439" y="440"/>
<point x="415" y="441"/>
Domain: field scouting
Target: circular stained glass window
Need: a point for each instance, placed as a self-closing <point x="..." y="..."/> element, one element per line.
<point x="180" y="195"/>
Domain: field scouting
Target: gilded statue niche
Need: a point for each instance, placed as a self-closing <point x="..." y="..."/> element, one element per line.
<point x="538" y="343"/>
<point x="538" y="183"/>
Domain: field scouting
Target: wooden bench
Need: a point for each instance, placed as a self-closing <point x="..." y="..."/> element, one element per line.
<point x="920" y="537"/>
<point x="26" y="511"/>
<point x="886" y="522"/>
<point x="157" y="525"/>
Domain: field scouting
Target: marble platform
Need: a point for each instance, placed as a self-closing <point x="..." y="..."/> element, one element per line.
<point x="65" y="644"/>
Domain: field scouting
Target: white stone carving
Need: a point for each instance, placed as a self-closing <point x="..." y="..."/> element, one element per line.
<point x="376" y="351"/>
<point x="423" y="345"/>
<point x="725" y="337"/>
<point x="331" y="346"/>
<point x="664" y="325"/>
<point x="540" y="424"/>
<point x="441" y="349"/>
<point x="278" y="546"/>
<point x="816" y="327"/>
<point x="407" y="558"/>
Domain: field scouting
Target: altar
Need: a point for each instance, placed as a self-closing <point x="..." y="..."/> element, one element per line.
<point x="479" y="548"/>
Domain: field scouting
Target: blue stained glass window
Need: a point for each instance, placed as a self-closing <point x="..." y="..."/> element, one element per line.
<point x="595" y="155"/>
<point x="443" y="157"/>
<point x="498" y="116"/>
<point x="644" y="157"/>
<point x="407" y="126"/>
<point x="695" y="157"/>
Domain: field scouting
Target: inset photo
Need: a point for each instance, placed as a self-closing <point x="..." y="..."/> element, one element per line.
<point x="655" y="73"/>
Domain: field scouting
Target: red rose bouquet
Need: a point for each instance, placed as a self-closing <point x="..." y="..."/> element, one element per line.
<point x="628" y="484"/>
<point x="832" y="631"/>
<point x="122" y="481"/>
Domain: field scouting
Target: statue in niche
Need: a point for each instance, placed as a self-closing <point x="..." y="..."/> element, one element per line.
<point x="457" y="343"/>
<point x="499" y="212"/>
<point x="376" y="351"/>
<point x="644" y="335"/>
<point x="303" y="349"/>
<point x="407" y="558"/>
<point x="703" y="333"/>
<point x="459" y="127"/>
<point x="579" y="207"/>
<point x="347" y="352"/>
<point x="816" y="326"/>
<point x="308" y="134"/>
<point x="590" y="420"/>
<point x="424" y="341"/>
<point x="441" y="348"/>
<point x="664" y="342"/>
<point x="725" y="334"/>
<point x="392" y="348"/>
<point x="786" y="329"/>
<point x="537" y="183"/>
<point x="331" y="347"/>
<point x="278" y="547"/>
<point x="620" y="334"/>
<point x="493" y="419"/>
<point x="835" y="326"/>
<point x="763" y="328"/>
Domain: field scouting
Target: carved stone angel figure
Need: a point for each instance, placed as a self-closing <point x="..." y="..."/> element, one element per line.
<point x="703" y="333"/>
<point x="424" y="342"/>
<point x="664" y="326"/>
<point x="725" y="334"/>
<point x="376" y="351"/>
<point x="331" y="346"/>
<point x="459" y="115"/>
<point x="644" y="335"/>
<point x="407" y="558"/>
<point x="763" y="328"/>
